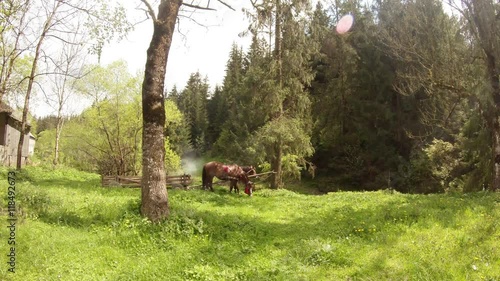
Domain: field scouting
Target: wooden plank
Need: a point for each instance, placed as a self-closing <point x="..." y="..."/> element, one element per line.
<point x="109" y="181"/>
<point x="135" y="181"/>
<point x="183" y="180"/>
<point x="256" y="175"/>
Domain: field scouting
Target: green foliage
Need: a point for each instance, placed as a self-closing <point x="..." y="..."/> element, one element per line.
<point x="430" y="170"/>
<point x="177" y="129"/>
<point x="385" y="91"/>
<point x="415" y="176"/>
<point x="230" y="147"/>
<point x="45" y="145"/>
<point x="112" y="136"/>
<point x="73" y="229"/>
<point x="442" y="160"/>
<point x="172" y="159"/>
<point x="275" y="83"/>
<point x="106" y="22"/>
<point x="192" y="102"/>
<point x="46" y="123"/>
<point x="233" y="119"/>
<point x="15" y="65"/>
<point x="475" y="144"/>
<point x="106" y="138"/>
<point x="395" y="103"/>
<point x="295" y="143"/>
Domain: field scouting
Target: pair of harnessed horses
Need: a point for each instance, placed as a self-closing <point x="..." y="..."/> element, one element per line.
<point x="233" y="173"/>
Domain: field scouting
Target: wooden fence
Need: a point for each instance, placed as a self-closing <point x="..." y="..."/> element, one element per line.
<point x="135" y="181"/>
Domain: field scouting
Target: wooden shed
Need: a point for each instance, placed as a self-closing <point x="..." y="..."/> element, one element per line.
<point x="10" y="131"/>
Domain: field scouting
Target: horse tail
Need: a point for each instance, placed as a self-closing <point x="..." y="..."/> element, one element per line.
<point x="204" y="177"/>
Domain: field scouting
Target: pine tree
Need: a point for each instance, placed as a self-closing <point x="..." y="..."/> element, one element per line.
<point x="174" y="95"/>
<point x="216" y="112"/>
<point x="235" y="111"/>
<point x="286" y="133"/>
<point x="193" y="104"/>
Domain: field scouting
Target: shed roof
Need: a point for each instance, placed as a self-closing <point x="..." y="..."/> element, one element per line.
<point x="18" y="116"/>
<point x="5" y="108"/>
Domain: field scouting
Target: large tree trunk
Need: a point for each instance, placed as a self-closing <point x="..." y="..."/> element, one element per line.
<point x="278" y="149"/>
<point x="59" y="126"/>
<point x="493" y="66"/>
<point x="24" y="121"/>
<point x="276" y="180"/>
<point x="154" y="203"/>
<point x="493" y="75"/>
<point x="496" y="154"/>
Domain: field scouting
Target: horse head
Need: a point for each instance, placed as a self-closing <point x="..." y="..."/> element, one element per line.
<point x="249" y="188"/>
<point x="243" y="176"/>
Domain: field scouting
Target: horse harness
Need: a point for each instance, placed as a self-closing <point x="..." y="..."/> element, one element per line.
<point x="228" y="170"/>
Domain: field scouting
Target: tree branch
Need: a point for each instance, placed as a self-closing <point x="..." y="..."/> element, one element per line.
<point x="198" y="7"/>
<point x="225" y="4"/>
<point x="151" y="12"/>
<point x="193" y="20"/>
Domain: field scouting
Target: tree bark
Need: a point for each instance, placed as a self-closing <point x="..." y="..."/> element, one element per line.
<point x="276" y="180"/>
<point x="59" y="126"/>
<point x="24" y="121"/>
<point x="31" y="80"/>
<point x="278" y="149"/>
<point x="494" y="80"/>
<point x="154" y="204"/>
<point x="496" y="154"/>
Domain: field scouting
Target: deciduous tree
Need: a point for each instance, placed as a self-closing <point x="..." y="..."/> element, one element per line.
<point x="154" y="203"/>
<point x="483" y="17"/>
<point x="50" y="21"/>
<point x="13" y="24"/>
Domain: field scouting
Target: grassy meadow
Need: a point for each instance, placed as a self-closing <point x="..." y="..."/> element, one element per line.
<point x="70" y="228"/>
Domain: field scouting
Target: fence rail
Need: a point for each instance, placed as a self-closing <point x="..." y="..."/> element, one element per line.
<point x="135" y="181"/>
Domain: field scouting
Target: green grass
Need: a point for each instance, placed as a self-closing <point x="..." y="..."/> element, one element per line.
<point x="73" y="229"/>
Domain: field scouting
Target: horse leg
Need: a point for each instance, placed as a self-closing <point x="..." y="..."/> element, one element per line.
<point x="233" y="185"/>
<point x="207" y="182"/>
<point x="204" y="178"/>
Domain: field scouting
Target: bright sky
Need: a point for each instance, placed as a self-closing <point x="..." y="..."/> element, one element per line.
<point x="194" y="47"/>
<point x="203" y="46"/>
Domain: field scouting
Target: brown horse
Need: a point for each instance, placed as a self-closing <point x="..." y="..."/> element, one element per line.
<point x="249" y="170"/>
<point x="224" y="172"/>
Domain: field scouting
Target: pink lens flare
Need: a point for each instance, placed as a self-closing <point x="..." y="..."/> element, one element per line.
<point x="345" y="24"/>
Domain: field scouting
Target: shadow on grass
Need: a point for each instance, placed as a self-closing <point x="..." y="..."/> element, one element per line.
<point x="344" y="228"/>
<point x="89" y="205"/>
<point x="95" y="216"/>
<point x="386" y="226"/>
